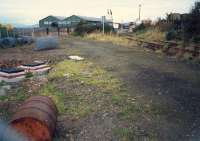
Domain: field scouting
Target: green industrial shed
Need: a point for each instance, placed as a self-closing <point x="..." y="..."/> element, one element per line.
<point x="72" y="21"/>
<point x="48" y="21"/>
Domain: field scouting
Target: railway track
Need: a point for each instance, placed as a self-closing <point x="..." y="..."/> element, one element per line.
<point x="170" y="48"/>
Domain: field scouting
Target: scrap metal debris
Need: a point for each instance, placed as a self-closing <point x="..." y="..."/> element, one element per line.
<point x="37" y="67"/>
<point x="44" y="43"/>
<point x="11" y="74"/>
<point x="15" y="71"/>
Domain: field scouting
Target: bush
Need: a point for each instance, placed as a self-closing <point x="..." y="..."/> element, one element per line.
<point x="84" y="27"/>
<point x="171" y="35"/>
<point x="140" y="27"/>
<point x="6" y="31"/>
<point x="196" y="39"/>
<point x="192" y="23"/>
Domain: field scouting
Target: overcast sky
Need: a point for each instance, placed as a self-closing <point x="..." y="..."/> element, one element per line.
<point x="30" y="11"/>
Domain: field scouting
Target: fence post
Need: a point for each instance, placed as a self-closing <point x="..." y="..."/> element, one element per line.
<point x="7" y="32"/>
<point x="33" y="32"/>
<point x="103" y="23"/>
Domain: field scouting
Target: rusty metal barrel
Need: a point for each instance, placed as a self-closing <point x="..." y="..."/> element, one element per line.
<point x="36" y="118"/>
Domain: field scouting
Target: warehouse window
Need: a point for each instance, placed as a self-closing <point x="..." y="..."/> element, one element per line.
<point x="46" y="22"/>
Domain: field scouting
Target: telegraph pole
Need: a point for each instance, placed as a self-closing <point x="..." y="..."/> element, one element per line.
<point x="103" y="23"/>
<point x="140" y="6"/>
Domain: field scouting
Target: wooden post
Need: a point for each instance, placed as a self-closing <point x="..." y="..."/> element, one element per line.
<point x="7" y="32"/>
<point x="33" y="32"/>
<point x="103" y="23"/>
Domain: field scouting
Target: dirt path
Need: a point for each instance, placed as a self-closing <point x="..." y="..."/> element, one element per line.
<point x="165" y="82"/>
<point x="169" y="86"/>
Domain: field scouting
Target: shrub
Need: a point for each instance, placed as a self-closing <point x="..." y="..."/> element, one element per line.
<point x="6" y="30"/>
<point x="171" y="35"/>
<point x="140" y="27"/>
<point x="196" y="39"/>
<point x="192" y="23"/>
<point x="85" y="27"/>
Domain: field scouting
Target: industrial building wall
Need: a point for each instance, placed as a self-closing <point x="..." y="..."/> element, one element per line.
<point x="46" y="22"/>
<point x="72" y="21"/>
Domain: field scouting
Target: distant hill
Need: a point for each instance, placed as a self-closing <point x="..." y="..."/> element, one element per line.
<point x="25" y="26"/>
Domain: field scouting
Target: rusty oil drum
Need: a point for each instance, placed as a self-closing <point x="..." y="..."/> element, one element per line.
<point x="36" y="119"/>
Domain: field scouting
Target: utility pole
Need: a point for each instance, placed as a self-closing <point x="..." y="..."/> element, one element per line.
<point x="103" y="23"/>
<point x="140" y="6"/>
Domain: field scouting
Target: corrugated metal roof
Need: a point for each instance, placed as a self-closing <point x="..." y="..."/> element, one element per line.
<point x="92" y="19"/>
<point x="60" y="17"/>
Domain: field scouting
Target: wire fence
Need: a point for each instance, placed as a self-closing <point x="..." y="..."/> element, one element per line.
<point x="34" y="32"/>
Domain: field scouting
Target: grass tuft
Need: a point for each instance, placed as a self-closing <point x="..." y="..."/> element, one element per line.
<point x="58" y="97"/>
<point x="20" y="95"/>
<point x="151" y="34"/>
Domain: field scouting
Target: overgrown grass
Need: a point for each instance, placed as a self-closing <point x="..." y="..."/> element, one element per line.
<point x="57" y="96"/>
<point x="115" y="39"/>
<point x="151" y="34"/>
<point x="85" y="72"/>
<point x="94" y="87"/>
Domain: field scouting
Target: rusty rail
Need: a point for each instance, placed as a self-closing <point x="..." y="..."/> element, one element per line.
<point x="160" y="45"/>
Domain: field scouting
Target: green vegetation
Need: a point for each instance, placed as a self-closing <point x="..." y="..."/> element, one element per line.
<point x="29" y="75"/>
<point x="125" y="134"/>
<point x="86" y="27"/>
<point x="131" y="134"/>
<point x="6" y="30"/>
<point x="150" y="34"/>
<point x="80" y="88"/>
<point x="115" y="39"/>
<point x="85" y="72"/>
<point x="20" y="95"/>
<point x="93" y="87"/>
<point x="191" y="24"/>
<point x="57" y="96"/>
